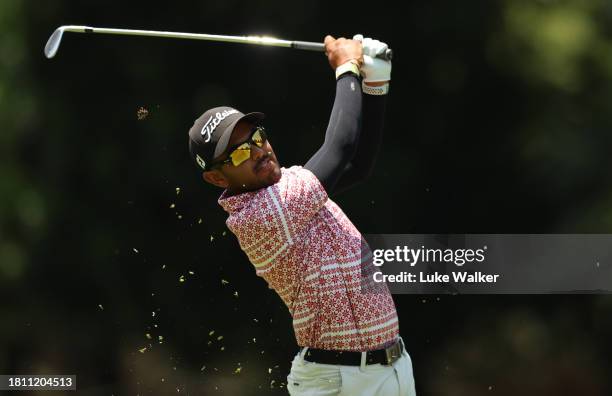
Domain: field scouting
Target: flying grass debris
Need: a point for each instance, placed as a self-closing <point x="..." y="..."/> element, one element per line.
<point x="142" y="113"/>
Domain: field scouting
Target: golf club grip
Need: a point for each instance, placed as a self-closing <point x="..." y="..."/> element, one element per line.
<point x="312" y="46"/>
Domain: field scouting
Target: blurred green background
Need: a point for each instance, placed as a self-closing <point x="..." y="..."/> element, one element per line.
<point x="498" y="122"/>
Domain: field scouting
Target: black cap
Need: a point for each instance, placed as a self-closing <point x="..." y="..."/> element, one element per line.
<point x="211" y="132"/>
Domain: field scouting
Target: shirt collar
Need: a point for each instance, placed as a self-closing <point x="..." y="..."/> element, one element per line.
<point x="233" y="203"/>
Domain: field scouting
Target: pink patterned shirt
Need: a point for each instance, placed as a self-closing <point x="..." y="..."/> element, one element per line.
<point x="310" y="253"/>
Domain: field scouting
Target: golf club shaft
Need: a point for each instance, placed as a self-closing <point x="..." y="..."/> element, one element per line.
<point x="258" y="40"/>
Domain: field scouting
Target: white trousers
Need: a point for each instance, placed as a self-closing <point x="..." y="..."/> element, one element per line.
<point x="316" y="379"/>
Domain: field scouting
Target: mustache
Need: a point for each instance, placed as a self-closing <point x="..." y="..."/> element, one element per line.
<point x="267" y="155"/>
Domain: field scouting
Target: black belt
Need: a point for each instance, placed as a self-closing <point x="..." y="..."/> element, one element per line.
<point x="385" y="356"/>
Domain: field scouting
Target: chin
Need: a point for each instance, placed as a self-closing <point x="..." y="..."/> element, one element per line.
<point x="271" y="179"/>
<point x="276" y="173"/>
<point x="271" y="176"/>
<point x="274" y="180"/>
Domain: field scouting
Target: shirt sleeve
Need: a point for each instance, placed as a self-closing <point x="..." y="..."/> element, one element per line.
<point x="342" y="134"/>
<point x="361" y="166"/>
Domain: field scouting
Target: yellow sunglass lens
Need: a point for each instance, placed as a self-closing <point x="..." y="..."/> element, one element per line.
<point x="258" y="139"/>
<point x="241" y="154"/>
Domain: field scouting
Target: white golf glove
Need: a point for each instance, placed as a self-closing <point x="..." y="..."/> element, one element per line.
<point x="374" y="69"/>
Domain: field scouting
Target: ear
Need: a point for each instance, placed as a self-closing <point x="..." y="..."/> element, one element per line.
<point x="216" y="178"/>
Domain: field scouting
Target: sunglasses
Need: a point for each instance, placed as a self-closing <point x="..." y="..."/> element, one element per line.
<point x="242" y="152"/>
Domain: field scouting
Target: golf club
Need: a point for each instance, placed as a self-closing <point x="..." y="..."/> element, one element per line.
<point x="54" y="41"/>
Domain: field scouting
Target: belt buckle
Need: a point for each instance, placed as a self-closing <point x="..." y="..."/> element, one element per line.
<point x="393" y="353"/>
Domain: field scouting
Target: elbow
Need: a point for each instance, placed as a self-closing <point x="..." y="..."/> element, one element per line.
<point x="347" y="151"/>
<point x="362" y="171"/>
<point x="364" y="174"/>
<point x="367" y="173"/>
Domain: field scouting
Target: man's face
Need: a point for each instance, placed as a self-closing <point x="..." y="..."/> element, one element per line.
<point x="260" y="170"/>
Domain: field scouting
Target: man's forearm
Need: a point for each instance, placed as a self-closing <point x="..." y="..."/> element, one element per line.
<point x="362" y="164"/>
<point x="342" y="133"/>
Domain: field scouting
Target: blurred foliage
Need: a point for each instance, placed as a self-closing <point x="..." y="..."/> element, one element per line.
<point x="561" y="53"/>
<point x="550" y="41"/>
<point x="22" y="206"/>
<point x="498" y="121"/>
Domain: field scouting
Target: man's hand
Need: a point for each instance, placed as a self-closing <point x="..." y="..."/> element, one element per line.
<point x="343" y="50"/>
<point x="376" y="71"/>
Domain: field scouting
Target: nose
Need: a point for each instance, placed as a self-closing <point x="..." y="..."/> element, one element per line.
<point x="257" y="153"/>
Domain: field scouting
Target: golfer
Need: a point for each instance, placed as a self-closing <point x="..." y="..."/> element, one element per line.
<point x="302" y="243"/>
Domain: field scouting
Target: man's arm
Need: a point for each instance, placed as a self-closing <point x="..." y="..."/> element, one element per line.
<point x="344" y="126"/>
<point x="377" y="75"/>
<point x="342" y="135"/>
<point x="361" y="166"/>
<point x="360" y="157"/>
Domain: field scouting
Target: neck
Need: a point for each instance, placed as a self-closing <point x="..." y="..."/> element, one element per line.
<point x="235" y="191"/>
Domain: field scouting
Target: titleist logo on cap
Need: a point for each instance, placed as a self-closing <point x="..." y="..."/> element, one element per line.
<point x="213" y="122"/>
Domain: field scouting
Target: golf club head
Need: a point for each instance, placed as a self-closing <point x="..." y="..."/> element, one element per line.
<point x="54" y="42"/>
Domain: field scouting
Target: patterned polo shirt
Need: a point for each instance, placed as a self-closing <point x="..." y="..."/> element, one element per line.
<point x="311" y="254"/>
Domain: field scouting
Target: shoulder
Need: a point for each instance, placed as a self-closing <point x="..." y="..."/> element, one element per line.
<point x="296" y="180"/>
<point x="299" y="184"/>
<point x="300" y="173"/>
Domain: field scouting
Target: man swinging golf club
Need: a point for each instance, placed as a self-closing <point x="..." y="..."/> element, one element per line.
<point x="302" y="243"/>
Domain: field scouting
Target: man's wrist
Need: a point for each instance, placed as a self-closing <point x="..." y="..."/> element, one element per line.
<point x="351" y="66"/>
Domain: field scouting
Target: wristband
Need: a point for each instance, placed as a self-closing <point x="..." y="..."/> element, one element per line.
<point x="370" y="90"/>
<point x="349" y="66"/>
